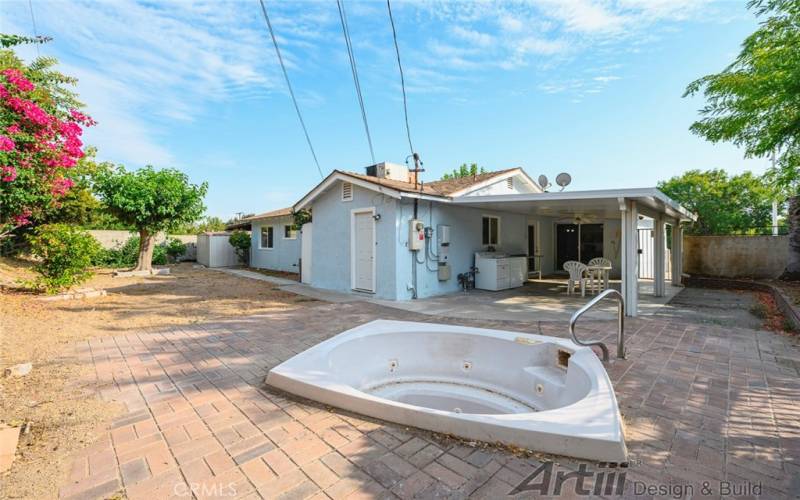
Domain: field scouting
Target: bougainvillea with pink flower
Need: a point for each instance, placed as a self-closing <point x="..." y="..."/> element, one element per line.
<point x="40" y="140"/>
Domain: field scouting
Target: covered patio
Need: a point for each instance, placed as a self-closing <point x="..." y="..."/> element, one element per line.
<point x="612" y="220"/>
<point x="537" y="300"/>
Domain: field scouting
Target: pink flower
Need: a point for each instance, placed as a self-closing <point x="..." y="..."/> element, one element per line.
<point x="9" y="173"/>
<point x="81" y="118"/>
<point x="22" y="219"/>
<point x="30" y="110"/>
<point x="13" y="129"/>
<point x="16" y="78"/>
<point x="6" y="144"/>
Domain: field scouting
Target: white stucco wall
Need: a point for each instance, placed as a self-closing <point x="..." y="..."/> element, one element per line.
<point x="285" y="253"/>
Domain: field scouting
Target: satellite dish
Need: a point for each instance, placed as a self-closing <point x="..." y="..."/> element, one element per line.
<point x="543" y="181"/>
<point x="563" y="179"/>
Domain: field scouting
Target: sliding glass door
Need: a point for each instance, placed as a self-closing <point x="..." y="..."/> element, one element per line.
<point x="581" y="242"/>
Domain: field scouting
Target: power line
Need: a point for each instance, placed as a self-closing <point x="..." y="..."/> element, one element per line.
<point x="402" y="78"/>
<point x="35" y="31"/>
<point x="288" y="84"/>
<point x="354" y="70"/>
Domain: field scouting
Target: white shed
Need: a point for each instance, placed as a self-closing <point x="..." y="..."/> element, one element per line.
<point x="214" y="250"/>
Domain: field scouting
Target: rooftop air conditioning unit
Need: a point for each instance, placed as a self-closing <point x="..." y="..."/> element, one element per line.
<point x="386" y="170"/>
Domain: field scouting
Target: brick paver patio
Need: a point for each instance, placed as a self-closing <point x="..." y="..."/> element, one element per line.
<point x="702" y="404"/>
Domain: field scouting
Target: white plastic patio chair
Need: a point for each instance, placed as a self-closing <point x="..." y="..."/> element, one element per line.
<point x="602" y="277"/>
<point x="577" y="275"/>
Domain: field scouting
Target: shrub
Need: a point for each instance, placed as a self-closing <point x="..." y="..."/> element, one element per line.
<point x="240" y="241"/>
<point x="66" y="253"/>
<point x="126" y="255"/>
<point x="174" y="248"/>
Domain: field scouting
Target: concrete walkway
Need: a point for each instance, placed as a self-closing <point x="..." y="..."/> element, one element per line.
<point x="702" y="404"/>
<point x="244" y="273"/>
<point x="296" y="287"/>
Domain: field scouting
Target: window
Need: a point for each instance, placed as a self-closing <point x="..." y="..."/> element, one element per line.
<point x="289" y="232"/>
<point x="491" y="230"/>
<point x="347" y="191"/>
<point x="267" y="234"/>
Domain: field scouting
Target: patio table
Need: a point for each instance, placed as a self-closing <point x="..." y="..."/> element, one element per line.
<point x="596" y="272"/>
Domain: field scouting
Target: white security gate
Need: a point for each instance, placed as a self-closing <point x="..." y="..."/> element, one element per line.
<point x="647" y="256"/>
<point x="363" y="251"/>
<point x="646" y="252"/>
<point x="305" y="253"/>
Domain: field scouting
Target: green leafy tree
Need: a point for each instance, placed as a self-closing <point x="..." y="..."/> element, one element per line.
<point x="150" y="200"/>
<point x="464" y="170"/>
<point x="208" y="223"/>
<point x="723" y="204"/>
<point x="755" y="104"/>
<point x="79" y="205"/>
<point x="64" y="255"/>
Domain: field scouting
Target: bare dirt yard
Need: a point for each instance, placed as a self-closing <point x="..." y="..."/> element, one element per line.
<point x="56" y="402"/>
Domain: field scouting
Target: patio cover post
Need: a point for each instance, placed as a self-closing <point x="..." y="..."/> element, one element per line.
<point x="630" y="256"/>
<point x="659" y="257"/>
<point x="677" y="252"/>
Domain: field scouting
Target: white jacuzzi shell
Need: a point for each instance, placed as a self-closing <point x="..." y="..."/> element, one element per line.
<point x="489" y="385"/>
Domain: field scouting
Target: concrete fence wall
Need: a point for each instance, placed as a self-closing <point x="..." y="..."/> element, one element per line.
<point x="110" y="238"/>
<point x="735" y="256"/>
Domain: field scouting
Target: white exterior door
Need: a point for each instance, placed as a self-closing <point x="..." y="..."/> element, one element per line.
<point x="363" y="248"/>
<point x="305" y="252"/>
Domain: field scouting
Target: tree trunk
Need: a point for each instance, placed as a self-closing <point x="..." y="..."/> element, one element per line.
<point x="146" y="244"/>
<point x="792" y="271"/>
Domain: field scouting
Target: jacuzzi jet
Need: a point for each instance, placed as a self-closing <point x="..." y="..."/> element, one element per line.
<point x="502" y="401"/>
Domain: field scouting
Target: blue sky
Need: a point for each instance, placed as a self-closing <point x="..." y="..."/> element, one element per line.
<point x="588" y="87"/>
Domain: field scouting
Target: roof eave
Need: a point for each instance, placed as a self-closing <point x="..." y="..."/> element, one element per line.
<point x="656" y="194"/>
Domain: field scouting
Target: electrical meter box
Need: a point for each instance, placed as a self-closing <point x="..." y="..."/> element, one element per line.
<point x="443" y="237"/>
<point x="416" y="235"/>
<point x="443" y="271"/>
<point x="443" y="240"/>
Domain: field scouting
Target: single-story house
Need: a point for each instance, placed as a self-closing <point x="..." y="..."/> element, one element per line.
<point x="384" y="234"/>
<point x="275" y="241"/>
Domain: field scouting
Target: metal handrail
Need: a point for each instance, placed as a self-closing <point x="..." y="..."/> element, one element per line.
<point x="620" y="324"/>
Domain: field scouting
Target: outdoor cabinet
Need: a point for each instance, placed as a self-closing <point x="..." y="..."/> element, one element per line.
<point x="498" y="271"/>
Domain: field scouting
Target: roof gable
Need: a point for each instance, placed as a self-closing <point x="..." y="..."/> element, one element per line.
<point x="441" y="189"/>
<point x="483" y="181"/>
